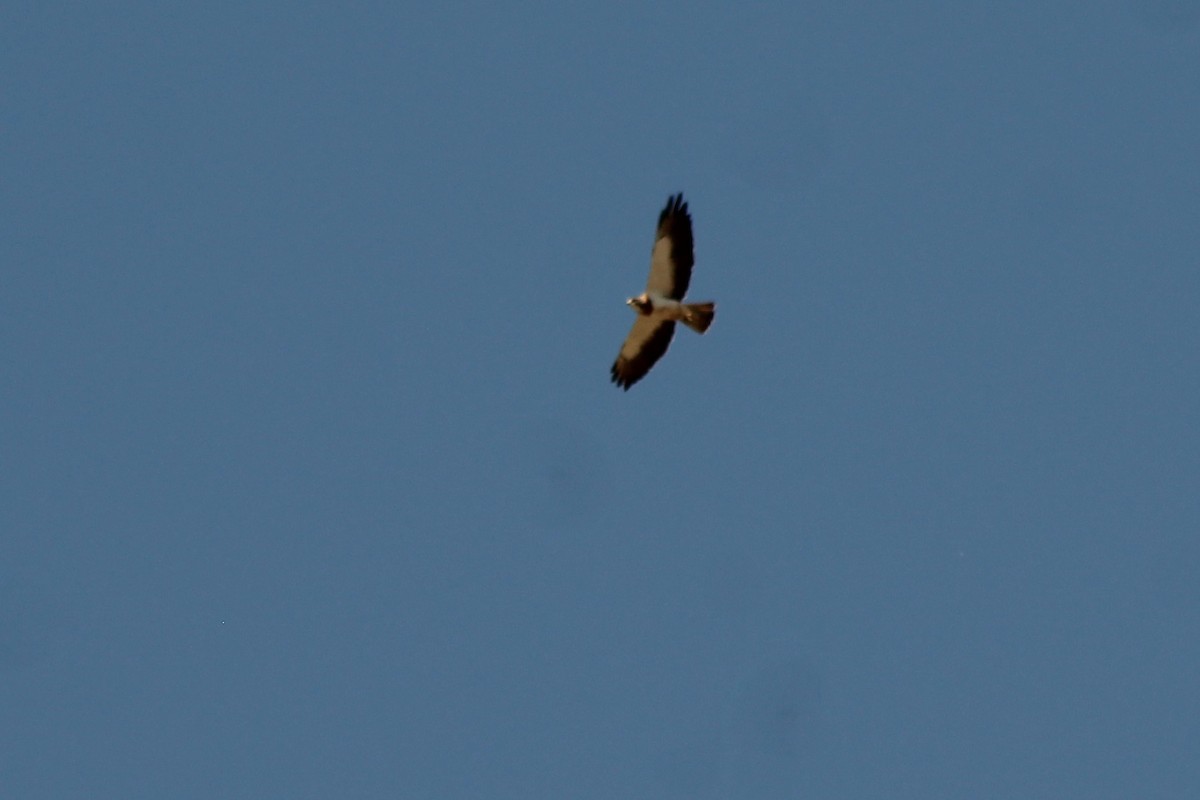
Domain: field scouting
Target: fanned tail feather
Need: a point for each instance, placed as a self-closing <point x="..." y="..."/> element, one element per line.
<point x="698" y="316"/>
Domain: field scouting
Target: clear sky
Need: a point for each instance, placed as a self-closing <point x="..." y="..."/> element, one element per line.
<point x="315" y="486"/>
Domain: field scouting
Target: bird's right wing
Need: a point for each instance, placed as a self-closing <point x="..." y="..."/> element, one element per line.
<point x="646" y="343"/>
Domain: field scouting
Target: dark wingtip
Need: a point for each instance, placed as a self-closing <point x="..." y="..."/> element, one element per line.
<point x="675" y="205"/>
<point x="620" y="381"/>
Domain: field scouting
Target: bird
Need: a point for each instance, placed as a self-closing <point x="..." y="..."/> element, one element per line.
<point x="661" y="305"/>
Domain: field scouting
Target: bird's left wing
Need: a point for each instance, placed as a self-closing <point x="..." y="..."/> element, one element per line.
<point x="672" y="257"/>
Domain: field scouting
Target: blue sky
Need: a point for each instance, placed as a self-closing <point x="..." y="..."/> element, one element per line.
<point x="314" y="484"/>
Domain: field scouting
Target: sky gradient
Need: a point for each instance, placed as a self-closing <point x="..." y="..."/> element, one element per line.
<point x="314" y="484"/>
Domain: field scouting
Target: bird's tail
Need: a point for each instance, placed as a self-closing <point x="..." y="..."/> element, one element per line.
<point x="698" y="316"/>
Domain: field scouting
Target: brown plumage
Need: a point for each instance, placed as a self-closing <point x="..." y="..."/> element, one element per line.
<point x="661" y="306"/>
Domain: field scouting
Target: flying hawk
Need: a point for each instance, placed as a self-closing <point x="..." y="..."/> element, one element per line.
<point x="660" y="306"/>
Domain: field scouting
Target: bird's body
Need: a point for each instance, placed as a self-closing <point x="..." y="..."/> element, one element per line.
<point x="661" y="305"/>
<point x="697" y="316"/>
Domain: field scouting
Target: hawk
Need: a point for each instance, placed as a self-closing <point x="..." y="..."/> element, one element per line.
<point x="661" y="305"/>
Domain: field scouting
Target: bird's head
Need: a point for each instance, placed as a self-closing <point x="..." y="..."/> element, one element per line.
<point x="640" y="304"/>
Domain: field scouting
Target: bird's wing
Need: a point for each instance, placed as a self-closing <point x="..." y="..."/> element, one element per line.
<point x="648" y="339"/>
<point x="671" y="258"/>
